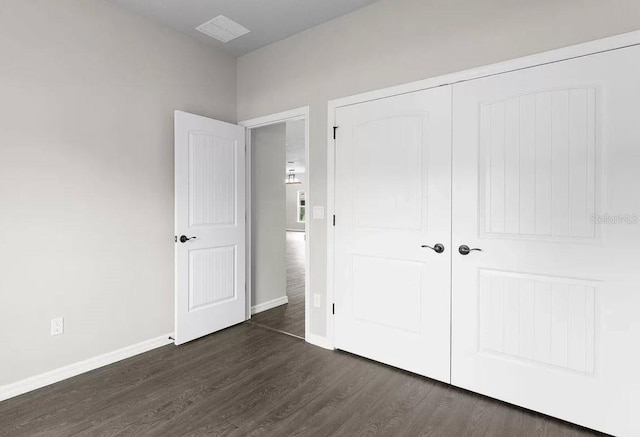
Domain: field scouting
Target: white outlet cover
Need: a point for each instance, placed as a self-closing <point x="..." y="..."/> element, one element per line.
<point x="57" y="326"/>
<point x="317" y="300"/>
<point x="318" y="212"/>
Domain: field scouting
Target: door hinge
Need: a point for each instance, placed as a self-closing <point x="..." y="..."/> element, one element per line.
<point x="334" y="220"/>
<point x="333" y="308"/>
<point x="335" y="128"/>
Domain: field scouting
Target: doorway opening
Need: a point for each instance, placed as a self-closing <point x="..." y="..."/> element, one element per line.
<point x="278" y="225"/>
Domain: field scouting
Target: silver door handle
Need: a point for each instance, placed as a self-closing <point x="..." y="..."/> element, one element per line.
<point x="438" y="248"/>
<point x="465" y="250"/>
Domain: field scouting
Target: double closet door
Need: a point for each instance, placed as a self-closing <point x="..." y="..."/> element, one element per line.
<point x="538" y="169"/>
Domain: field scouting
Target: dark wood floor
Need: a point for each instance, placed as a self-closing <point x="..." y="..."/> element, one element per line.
<point x="290" y="317"/>
<point x="250" y="381"/>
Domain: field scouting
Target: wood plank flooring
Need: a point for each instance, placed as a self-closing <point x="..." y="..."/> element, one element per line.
<point x="289" y="318"/>
<point x="250" y="381"/>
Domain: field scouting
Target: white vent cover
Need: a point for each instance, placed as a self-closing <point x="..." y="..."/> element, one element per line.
<point x="223" y="29"/>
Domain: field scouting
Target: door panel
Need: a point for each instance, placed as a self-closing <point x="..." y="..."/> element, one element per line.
<point x="538" y="174"/>
<point x="386" y="292"/>
<point x="546" y="314"/>
<point x="210" y="187"/>
<point x="211" y="276"/>
<point x="393" y="174"/>
<point x="212" y="192"/>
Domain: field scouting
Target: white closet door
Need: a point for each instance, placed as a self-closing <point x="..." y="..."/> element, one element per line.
<point x="546" y="182"/>
<point x="393" y="173"/>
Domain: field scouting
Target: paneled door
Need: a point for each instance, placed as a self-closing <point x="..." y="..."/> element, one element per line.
<point x="210" y="225"/>
<point x="545" y="183"/>
<point x="392" y="231"/>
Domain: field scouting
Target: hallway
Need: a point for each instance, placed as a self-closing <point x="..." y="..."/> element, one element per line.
<point x="289" y="318"/>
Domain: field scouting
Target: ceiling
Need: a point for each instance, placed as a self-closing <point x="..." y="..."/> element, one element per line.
<point x="296" y="146"/>
<point x="268" y="20"/>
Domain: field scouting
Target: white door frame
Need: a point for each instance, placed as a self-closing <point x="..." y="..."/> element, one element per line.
<point x="301" y="113"/>
<point x="558" y="55"/>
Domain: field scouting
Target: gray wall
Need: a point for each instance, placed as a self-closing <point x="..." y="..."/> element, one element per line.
<point x="292" y="203"/>
<point x="268" y="218"/>
<point x="397" y="41"/>
<point x="87" y="94"/>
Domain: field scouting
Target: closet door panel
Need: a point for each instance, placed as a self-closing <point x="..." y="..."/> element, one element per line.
<point x="545" y="164"/>
<point x="393" y="198"/>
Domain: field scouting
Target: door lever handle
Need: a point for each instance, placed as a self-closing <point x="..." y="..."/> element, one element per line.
<point x="465" y="250"/>
<point x="184" y="238"/>
<point x="438" y="248"/>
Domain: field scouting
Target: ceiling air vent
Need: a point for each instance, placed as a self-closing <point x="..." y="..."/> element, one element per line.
<point x="223" y="29"/>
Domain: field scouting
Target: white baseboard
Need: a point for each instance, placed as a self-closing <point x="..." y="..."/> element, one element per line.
<point x="44" y="379"/>
<point x="268" y="305"/>
<point x="319" y="341"/>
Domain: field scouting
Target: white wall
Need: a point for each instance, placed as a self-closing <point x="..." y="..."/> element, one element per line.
<point x="292" y="202"/>
<point x="398" y="41"/>
<point x="268" y="218"/>
<point x="87" y="94"/>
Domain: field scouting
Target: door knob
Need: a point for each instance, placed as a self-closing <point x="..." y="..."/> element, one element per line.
<point x="184" y="238"/>
<point x="438" y="248"/>
<point x="465" y="250"/>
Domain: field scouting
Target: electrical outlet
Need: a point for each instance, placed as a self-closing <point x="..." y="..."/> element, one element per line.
<point x="317" y="300"/>
<point x="57" y="326"/>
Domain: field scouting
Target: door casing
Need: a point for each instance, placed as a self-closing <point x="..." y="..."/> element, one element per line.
<point x="301" y="113"/>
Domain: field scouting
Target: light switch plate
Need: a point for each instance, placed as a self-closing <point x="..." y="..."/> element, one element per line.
<point x="318" y="212"/>
<point x="317" y="300"/>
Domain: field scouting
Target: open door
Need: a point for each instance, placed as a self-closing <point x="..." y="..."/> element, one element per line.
<point x="210" y="226"/>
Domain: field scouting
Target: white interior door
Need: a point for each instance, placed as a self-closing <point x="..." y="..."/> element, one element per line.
<point x="392" y="191"/>
<point x="210" y="225"/>
<point x="545" y="182"/>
